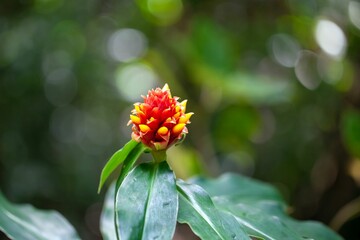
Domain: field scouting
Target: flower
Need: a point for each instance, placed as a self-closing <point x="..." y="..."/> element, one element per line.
<point x="160" y="121"/>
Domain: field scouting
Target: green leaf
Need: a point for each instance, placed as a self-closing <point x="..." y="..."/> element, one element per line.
<point x="129" y="163"/>
<point x="269" y="220"/>
<point x="198" y="211"/>
<point x="260" y="209"/>
<point x="147" y="203"/>
<point x="26" y="222"/>
<point x="116" y="159"/>
<point x="257" y="221"/>
<point x="238" y="187"/>
<point x="126" y="167"/>
<point x="107" y="218"/>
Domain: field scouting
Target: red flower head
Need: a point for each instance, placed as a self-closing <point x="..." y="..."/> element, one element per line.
<point x="160" y="121"/>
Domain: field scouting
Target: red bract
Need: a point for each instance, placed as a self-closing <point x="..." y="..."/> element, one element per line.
<point x="160" y="121"/>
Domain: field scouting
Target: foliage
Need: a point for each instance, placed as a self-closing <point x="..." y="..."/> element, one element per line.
<point x="257" y="207"/>
<point x="119" y="157"/>
<point x="149" y="201"/>
<point x="69" y="69"/>
<point x="27" y="222"/>
<point x="197" y="210"/>
<point x="260" y="209"/>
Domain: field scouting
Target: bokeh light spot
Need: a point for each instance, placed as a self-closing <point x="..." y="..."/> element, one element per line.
<point x="285" y="49"/>
<point x="161" y="12"/>
<point x="330" y="38"/>
<point x="126" y="45"/>
<point x="165" y="9"/>
<point x="134" y="80"/>
<point x="354" y="13"/>
<point x="306" y="70"/>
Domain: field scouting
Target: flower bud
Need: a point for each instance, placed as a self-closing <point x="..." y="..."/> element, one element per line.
<point x="160" y="121"/>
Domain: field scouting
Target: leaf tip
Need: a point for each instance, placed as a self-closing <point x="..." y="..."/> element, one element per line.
<point x="99" y="188"/>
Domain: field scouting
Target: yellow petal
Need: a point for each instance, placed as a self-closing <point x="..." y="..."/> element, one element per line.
<point x="137" y="108"/>
<point x="177" y="115"/>
<point x="135" y="119"/>
<point x="163" y="131"/>
<point x="144" y="128"/>
<point x="166" y="88"/>
<point x="178" y="128"/>
<point x="185" y="119"/>
<point x="183" y="103"/>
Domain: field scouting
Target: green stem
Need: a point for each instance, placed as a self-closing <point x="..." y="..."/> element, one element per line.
<point x="159" y="156"/>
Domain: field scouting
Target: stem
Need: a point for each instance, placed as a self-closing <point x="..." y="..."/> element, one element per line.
<point x="159" y="156"/>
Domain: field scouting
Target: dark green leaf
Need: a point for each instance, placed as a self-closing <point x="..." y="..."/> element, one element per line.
<point x="198" y="211"/>
<point x="147" y="203"/>
<point x="260" y="209"/>
<point x="107" y="219"/>
<point x="129" y="163"/>
<point x="115" y="160"/>
<point x="256" y="221"/>
<point x="27" y="222"/>
<point x="238" y="187"/>
<point x="126" y="167"/>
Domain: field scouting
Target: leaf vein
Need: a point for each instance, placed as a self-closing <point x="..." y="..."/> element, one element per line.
<point x="202" y="214"/>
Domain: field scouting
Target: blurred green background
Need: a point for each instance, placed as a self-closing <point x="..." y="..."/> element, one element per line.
<point x="274" y="85"/>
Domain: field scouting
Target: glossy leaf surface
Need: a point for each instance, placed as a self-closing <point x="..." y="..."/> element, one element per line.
<point x="198" y="211"/>
<point x="129" y="163"/>
<point x="22" y="221"/>
<point x="147" y="203"/>
<point x="235" y="186"/>
<point x="107" y="219"/>
<point x="260" y="209"/>
<point x="116" y="159"/>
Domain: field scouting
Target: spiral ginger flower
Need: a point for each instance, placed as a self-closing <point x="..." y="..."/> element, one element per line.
<point x="160" y="121"/>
